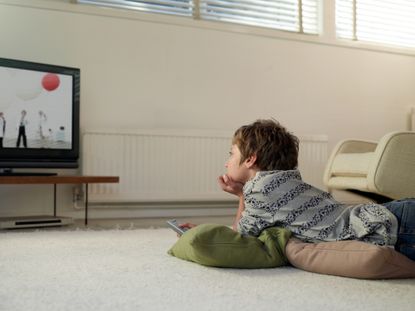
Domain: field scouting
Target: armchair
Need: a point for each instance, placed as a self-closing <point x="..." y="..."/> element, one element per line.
<point x="385" y="169"/>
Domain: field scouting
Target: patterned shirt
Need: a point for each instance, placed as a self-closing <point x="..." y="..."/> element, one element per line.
<point x="281" y="198"/>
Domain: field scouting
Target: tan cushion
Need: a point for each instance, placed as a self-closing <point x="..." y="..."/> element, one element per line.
<point x="349" y="259"/>
<point x="352" y="164"/>
<point x="394" y="173"/>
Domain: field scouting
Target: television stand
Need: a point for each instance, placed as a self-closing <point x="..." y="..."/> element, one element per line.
<point x="60" y="179"/>
<point x="33" y="222"/>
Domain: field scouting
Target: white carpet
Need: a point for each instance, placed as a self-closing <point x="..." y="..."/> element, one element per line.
<point x="130" y="270"/>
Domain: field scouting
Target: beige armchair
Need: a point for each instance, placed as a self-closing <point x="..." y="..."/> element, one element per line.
<point x="386" y="168"/>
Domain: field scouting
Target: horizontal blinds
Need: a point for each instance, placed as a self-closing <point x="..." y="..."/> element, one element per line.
<point x="380" y="21"/>
<point x="175" y="7"/>
<point x="310" y="16"/>
<point x="292" y="15"/>
<point x="279" y="14"/>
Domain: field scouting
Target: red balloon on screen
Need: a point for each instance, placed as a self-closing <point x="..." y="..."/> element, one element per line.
<point x="50" y="82"/>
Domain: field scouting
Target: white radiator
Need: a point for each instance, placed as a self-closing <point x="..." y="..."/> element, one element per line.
<point x="173" y="166"/>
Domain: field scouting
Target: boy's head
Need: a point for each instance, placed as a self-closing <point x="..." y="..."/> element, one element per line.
<point x="275" y="148"/>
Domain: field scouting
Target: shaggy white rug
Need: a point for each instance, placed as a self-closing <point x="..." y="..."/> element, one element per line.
<point x="131" y="270"/>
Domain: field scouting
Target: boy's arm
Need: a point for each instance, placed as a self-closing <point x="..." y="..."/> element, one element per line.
<point x="235" y="188"/>
<point x="241" y="208"/>
<point x="253" y="218"/>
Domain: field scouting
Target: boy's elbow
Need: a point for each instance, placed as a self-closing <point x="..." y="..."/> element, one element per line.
<point x="240" y="229"/>
<point x="244" y="230"/>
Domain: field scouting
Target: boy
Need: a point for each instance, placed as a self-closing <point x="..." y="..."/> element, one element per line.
<point x="261" y="171"/>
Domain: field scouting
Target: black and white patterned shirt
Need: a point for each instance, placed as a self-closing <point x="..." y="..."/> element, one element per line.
<point x="281" y="198"/>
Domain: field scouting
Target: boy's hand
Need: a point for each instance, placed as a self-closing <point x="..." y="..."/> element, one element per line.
<point x="187" y="225"/>
<point x="229" y="185"/>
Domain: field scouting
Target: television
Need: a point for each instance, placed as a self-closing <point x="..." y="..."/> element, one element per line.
<point x="39" y="116"/>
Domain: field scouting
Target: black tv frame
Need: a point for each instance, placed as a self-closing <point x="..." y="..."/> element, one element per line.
<point x="11" y="158"/>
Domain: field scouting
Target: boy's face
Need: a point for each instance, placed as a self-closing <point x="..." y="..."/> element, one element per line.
<point x="237" y="171"/>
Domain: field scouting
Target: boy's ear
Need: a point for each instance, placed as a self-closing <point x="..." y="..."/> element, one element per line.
<point x="250" y="161"/>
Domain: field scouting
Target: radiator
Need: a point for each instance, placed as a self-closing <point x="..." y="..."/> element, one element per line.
<point x="173" y="166"/>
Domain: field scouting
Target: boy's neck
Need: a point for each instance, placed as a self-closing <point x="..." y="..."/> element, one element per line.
<point x="252" y="173"/>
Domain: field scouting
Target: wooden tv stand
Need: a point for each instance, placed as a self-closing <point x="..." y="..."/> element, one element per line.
<point x="60" y="179"/>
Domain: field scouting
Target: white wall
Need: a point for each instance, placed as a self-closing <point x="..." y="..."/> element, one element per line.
<point x="140" y="74"/>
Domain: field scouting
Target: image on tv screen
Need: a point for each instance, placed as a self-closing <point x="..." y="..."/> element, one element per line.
<point x="35" y="109"/>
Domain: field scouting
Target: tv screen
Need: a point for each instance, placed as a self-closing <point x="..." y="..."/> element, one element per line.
<point x="39" y="115"/>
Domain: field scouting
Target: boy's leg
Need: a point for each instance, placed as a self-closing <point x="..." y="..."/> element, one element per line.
<point x="404" y="210"/>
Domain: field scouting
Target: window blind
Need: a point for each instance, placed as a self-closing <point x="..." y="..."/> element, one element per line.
<point x="175" y="7"/>
<point x="381" y="21"/>
<point x="292" y="15"/>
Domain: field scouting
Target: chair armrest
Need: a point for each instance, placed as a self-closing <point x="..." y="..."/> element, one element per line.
<point x="356" y="146"/>
<point x="347" y="146"/>
<point x="392" y="172"/>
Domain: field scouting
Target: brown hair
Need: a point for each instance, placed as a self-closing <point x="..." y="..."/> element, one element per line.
<point x="274" y="147"/>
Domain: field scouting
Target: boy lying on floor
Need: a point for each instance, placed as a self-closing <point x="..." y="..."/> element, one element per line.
<point x="261" y="171"/>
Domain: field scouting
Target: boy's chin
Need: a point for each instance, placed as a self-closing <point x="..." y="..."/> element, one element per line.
<point x="238" y="179"/>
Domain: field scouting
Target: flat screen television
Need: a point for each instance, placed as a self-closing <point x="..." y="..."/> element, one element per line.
<point x="39" y="115"/>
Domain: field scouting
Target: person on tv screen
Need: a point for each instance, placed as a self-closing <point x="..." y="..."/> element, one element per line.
<point x="22" y="130"/>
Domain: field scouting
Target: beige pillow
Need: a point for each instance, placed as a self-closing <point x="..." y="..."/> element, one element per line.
<point x="350" y="259"/>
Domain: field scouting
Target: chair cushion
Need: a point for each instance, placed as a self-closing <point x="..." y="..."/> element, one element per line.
<point x="350" y="259"/>
<point x="220" y="246"/>
<point x="347" y="182"/>
<point x="352" y="164"/>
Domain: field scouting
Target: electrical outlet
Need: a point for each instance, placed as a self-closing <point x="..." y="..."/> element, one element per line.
<point x="77" y="194"/>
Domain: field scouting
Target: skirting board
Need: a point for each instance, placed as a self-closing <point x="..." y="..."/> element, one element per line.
<point x="156" y="210"/>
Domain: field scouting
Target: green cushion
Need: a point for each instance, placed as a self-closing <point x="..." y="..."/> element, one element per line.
<point x="220" y="246"/>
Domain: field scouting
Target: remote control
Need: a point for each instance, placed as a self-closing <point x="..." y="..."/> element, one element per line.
<point x="175" y="226"/>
